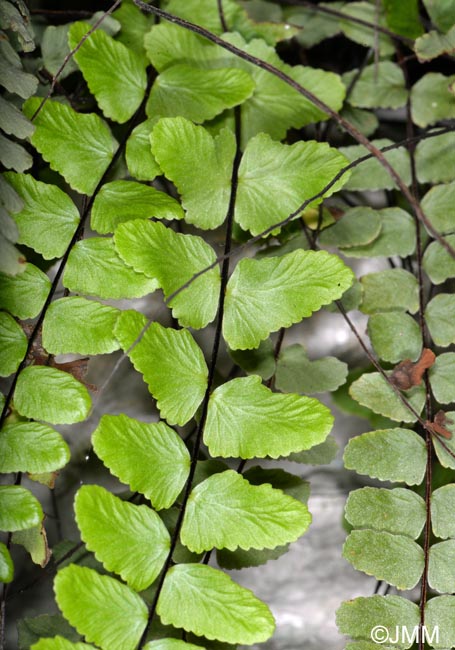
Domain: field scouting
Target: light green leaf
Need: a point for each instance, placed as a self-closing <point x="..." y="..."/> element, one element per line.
<point x="128" y="539"/>
<point x="168" y="44"/>
<point x="389" y="291"/>
<point x="441" y="571"/>
<point x="394" y="558"/>
<point x="48" y="218"/>
<point x="32" y="447"/>
<point x="24" y="294"/>
<point x="397" y="455"/>
<point x="19" y="509"/>
<point x="372" y="390"/>
<point x="209" y="603"/>
<point x="359" y="34"/>
<point x="245" y="419"/>
<point x="222" y="512"/>
<point x="357" y="227"/>
<point x="102" y="609"/>
<point x="171" y="644"/>
<point x="445" y="449"/>
<point x="122" y="201"/>
<point x="440" y="318"/>
<point x="378" y="86"/>
<point x="173" y="259"/>
<point x="13" y="345"/>
<point x="434" y="158"/>
<point x="264" y="295"/>
<point x="59" y="643"/>
<point x="442" y="378"/>
<point x="397" y="511"/>
<point x="34" y="540"/>
<point x="6" y="564"/>
<point x="321" y="454"/>
<point x="432" y="100"/>
<point x="359" y="616"/>
<point x="129" y="448"/>
<point x="440" y="613"/>
<point x="395" y="336"/>
<point x="397" y="236"/>
<point x="115" y="74"/>
<point x="13" y="155"/>
<point x="95" y="268"/>
<point x="442" y="504"/>
<point x="138" y="154"/>
<point x="275" y="179"/>
<point x="180" y="147"/>
<point x="12" y="262"/>
<point x="134" y="25"/>
<point x="197" y="94"/>
<point x="441" y="12"/>
<point x="260" y="361"/>
<point x="371" y="175"/>
<point x="75" y="325"/>
<point x="437" y="205"/>
<point x="403" y="17"/>
<point x="173" y="367"/>
<point x="78" y="146"/>
<point x="433" y="44"/>
<point x="13" y="122"/>
<point x="438" y="263"/>
<point x="51" y="395"/>
<point x="295" y="373"/>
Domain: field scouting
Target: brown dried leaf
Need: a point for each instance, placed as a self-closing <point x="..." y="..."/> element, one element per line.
<point x="409" y="373"/>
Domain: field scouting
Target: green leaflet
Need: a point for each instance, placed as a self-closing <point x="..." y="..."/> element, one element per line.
<point x="51" y="395"/>
<point x="358" y="33"/>
<point x="380" y="86"/>
<point x="442" y="378"/>
<point x="80" y="326"/>
<point x="173" y="259"/>
<point x="32" y="447"/>
<point x="14" y="156"/>
<point x="95" y="268"/>
<point x="171" y="644"/>
<point x="442" y="504"/>
<point x="396" y="237"/>
<point x="440" y="314"/>
<point x="440" y="612"/>
<point x="397" y="511"/>
<point x="138" y="154"/>
<point x="24" y="294"/>
<point x="433" y="159"/>
<point x="199" y="165"/>
<point x="78" y="146"/>
<point x="357" y="227"/>
<point x="431" y="45"/>
<point x="321" y="454"/>
<point x="359" y="616"/>
<point x="363" y="120"/>
<point x="395" y="336"/>
<point x="372" y="390"/>
<point x="103" y="610"/>
<point x="432" y="100"/>
<point x="6" y="564"/>
<point x="260" y="361"/>
<point x="222" y="513"/>
<point x="441" y="12"/>
<point x="34" y="540"/>
<point x="317" y="26"/>
<point x="396" y="455"/>
<point x="114" y="74"/>
<point x="19" y="509"/>
<point x="403" y="17"/>
<point x="295" y="373"/>
<point x="60" y="643"/>
<point x="13" y="122"/>
<point x="445" y="449"/>
<point x="128" y="539"/>
<point x="391" y="290"/>
<point x="47" y="625"/>
<point x="437" y="205"/>
<point x="209" y="603"/>
<point x="173" y="367"/>
<point x="197" y="94"/>
<point x="245" y="419"/>
<point x="48" y="218"/>
<point x="438" y="264"/>
<point x="275" y="179"/>
<point x="121" y="201"/>
<point x="394" y="558"/>
<point x="54" y="48"/>
<point x="13" y="344"/>
<point x="371" y="175"/>
<point x="129" y="448"/>
<point x="264" y="295"/>
<point x="441" y="572"/>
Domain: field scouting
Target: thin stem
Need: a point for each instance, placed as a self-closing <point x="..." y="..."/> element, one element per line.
<point x="211" y="376"/>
